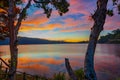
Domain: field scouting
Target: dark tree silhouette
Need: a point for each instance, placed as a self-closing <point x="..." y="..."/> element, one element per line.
<point x="99" y="18"/>
<point x="9" y="13"/>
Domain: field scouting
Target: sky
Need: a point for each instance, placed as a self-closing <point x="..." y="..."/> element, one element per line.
<point x="74" y="26"/>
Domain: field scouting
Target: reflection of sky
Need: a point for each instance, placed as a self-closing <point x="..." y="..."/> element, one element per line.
<point x="45" y="55"/>
<point x="49" y="59"/>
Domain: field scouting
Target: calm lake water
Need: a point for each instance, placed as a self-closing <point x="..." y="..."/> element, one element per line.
<point x="49" y="59"/>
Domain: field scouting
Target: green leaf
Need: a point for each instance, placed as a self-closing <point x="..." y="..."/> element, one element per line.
<point x="1" y="4"/>
<point x="18" y="2"/>
<point x="110" y="12"/>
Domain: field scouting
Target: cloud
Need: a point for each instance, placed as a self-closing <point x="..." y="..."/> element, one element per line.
<point x="37" y="27"/>
<point x="38" y="12"/>
<point x="112" y="23"/>
<point x="76" y="20"/>
<point x="76" y="7"/>
<point x="36" y="20"/>
<point x="81" y="7"/>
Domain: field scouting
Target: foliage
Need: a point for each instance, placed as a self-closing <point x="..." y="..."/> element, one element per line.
<point x="110" y="12"/>
<point x="113" y="37"/>
<point x="118" y="79"/>
<point x="11" y="16"/>
<point x="60" y="5"/>
<point x="21" y="13"/>
<point x="59" y="76"/>
<point x="80" y="74"/>
<point x="118" y="8"/>
<point x="115" y="5"/>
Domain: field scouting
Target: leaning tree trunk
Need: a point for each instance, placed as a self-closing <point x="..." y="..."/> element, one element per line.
<point x="13" y="40"/>
<point x="99" y="20"/>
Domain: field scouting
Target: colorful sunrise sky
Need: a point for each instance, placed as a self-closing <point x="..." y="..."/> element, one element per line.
<point x="73" y="26"/>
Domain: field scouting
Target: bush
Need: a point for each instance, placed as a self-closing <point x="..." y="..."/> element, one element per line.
<point x="79" y="74"/>
<point x="59" y="76"/>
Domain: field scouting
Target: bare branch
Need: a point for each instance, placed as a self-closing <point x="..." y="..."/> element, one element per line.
<point x="46" y="1"/>
<point x="4" y="62"/>
<point x="22" y="16"/>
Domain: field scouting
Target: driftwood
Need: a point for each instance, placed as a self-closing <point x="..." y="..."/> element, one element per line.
<point x="69" y="70"/>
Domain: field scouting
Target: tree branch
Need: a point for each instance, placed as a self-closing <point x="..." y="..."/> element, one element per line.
<point x="41" y="1"/>
<point x="69" y="69"/>
<point x="22" y="16"/>
<point x="4" y="62"/>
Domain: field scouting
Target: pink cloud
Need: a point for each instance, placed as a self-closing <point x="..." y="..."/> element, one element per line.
<point x="112" y="23"/>
<point x="25" y="1"/>
<point x="76" y="7"/>
<point x="80" y="7"/>
<point x="36" y="20"/>
<point x="46" y="27"/>
<point x="38" y="12"/>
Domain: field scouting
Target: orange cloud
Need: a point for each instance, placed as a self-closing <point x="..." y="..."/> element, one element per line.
<point x="36" y="20"/>
<point x="46" y="27"/>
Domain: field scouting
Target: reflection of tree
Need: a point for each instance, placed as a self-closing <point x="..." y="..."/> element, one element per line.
<point x="113" y="37"/>
<point x="117" y="50"/>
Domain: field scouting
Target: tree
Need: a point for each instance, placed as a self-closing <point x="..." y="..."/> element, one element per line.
<point x="12" y="14"/>
<point x="99" y="18"/>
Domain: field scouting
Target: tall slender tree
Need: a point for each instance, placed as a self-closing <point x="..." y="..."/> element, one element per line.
<point x="12" y="13"/>
<point x="99" y="18"/>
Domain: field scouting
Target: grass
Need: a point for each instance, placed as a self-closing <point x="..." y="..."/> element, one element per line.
<point x="118" y="78"/>
<point x="57" y="76"/>
<point x="79" y="74"/>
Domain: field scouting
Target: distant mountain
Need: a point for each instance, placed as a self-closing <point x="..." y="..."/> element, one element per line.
<point x="25" y="40"/>
<point x="4" y="42"/>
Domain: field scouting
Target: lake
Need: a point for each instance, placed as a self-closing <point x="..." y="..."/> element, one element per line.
<point x="49" y="58"/>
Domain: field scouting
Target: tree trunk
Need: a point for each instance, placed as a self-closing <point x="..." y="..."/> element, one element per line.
<point x="13" y="40"/>
<point x="99" y="20"/>
<point x="69" y="70"/>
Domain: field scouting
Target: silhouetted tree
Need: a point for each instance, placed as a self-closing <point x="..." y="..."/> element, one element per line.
<point x="9" y="13"/>
<point x="99" y="18"/>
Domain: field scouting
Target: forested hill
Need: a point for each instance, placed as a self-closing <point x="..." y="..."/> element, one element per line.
<point x="113" y="37"/>
<point x="25" y="40"/>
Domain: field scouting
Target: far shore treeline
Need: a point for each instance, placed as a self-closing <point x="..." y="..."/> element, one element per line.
<point x="113" y="37"/>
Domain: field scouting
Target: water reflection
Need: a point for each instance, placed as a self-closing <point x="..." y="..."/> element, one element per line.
<point x="49" y="59"/>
